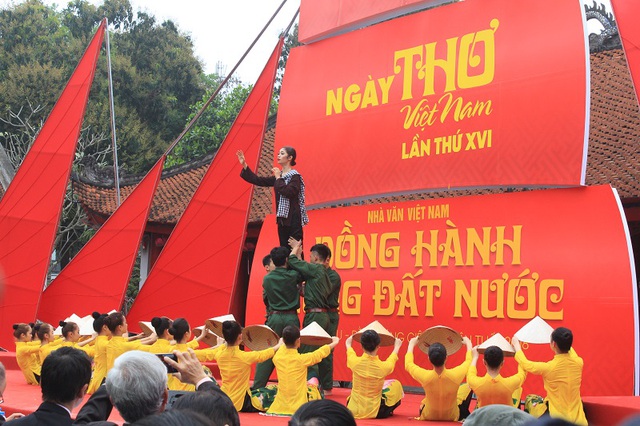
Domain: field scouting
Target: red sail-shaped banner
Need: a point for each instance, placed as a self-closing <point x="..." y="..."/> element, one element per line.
<point x="97" y="278"/>
<point x="196" y="273"/>
<point x="626" y="14"/>
<point x="30" y="210"/>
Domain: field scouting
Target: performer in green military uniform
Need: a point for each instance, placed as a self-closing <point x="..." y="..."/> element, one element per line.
<point x="317" y="290"/>
<point x="282" y="299"/>
<point x="325" y="367"/>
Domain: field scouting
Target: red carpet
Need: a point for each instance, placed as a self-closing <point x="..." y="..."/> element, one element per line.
<point x="600" y="411"/>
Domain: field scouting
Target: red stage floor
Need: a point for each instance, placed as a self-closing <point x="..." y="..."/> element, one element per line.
<point x="601" y="411"/>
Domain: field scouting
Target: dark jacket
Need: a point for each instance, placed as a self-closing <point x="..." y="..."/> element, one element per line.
<point x="47" y="414"/>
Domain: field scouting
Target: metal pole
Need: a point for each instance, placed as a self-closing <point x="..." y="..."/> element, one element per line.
<point x="197" y="116"/>
<point x="114" y="143"/>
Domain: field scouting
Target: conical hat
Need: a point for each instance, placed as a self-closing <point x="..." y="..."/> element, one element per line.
<point x="146" y="327"/>
<point x="535" y="331"/>
<point x="499" y="341"/>
<point x="210" y="339"/>
<point x="314" y="335"/>
<point x="259" y="337"/>
<point x="215" y="324"/>
<point x="386" y="338"/>
<point x="448" y="337"/>
<point x="86" y="326"/>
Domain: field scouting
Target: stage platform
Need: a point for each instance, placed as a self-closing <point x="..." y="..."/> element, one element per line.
<point x="600" y="411"/>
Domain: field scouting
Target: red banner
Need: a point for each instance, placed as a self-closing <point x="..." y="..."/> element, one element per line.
<point x="484" y="265"/>
<point x="473" y="94"/>
<point x="327" y="18"/>
<point x="626" y="15"/>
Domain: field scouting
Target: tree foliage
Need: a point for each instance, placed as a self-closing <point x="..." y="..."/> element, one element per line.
<point x="156" y="76"/>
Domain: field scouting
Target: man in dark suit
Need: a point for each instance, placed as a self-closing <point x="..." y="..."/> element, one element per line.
<point x="137" y="386"/>
<point x="65" y="377"/>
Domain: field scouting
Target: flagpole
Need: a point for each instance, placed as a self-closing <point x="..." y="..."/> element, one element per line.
<point x="114" y="143"/>
<point x="197" y="116"/>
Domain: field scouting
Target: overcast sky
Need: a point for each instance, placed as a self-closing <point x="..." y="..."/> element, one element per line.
<point x="223" y="30"/>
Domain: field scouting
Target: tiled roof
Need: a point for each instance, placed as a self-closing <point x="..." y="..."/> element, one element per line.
<point x="175" y="189"/>
<point x="614" y="157"/>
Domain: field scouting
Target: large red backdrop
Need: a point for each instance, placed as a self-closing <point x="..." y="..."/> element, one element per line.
<point x="484" y="265"/>
<point x="471" y="94"/>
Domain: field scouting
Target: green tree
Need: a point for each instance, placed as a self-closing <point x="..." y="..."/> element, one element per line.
<point x="156" y="79"/>
<point x="212" y="127"/>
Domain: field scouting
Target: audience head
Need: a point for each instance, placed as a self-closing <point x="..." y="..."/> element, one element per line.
<point x="213" y="404"/>
<point x="563" y="338"/>
<point x="498" y="415"/>
<point x="180" y="330"/>
<point x="370" y="340"/>
<point x="70" y="331"/>
<point x="547" y="420"/>
<point x="493" y="357"/>
<point x="99" y="321"/>
<point x="320" y="252"/>
<point x="137" y="385"/>
<point x="230" y="331"/>
<point x="290" y="335"/>
<point x="65" y="376"/>
<point x="175" y="418"/>
<point x="22" y="332"/>
<point x="322" y="412"/>
<point x="437" y="354"/>
<point x="279" y="256"/>
<point x="116" y="323"/>
<point x="161" y="325"/>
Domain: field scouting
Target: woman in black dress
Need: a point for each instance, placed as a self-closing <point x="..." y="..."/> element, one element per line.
<point x="288" y="186"/>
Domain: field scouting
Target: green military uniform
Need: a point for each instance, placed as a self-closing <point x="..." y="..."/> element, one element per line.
<point x="282" y="299"/>
<point x="325" y="367"/>
<point x="316" y="299"/>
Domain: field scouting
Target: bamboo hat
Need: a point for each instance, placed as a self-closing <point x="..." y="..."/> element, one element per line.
<point x="259" y="337"/>
<point x="448" y="337"/>
<point x="86" y="326"/>
<point x="535" y="331"/>
<point x="146" y="327"/>
<point x="386" y="338"/>
<point x="210" y="339"/>
<point x="499" y="341"/>
<point x="314" y="335"/>
<point x="215" y="324"/>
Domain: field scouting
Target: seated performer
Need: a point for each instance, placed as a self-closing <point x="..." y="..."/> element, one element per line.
<point x="444" y="398"/>
<point x="27" y="353"/>
<point x="235" y="369"/>
<point x="100" y="351"/>
<point x="291" y="367"/>
<point x="562" y="377"/>
<point x="492" y="388"/>
<point x="371" y="396"/>
<point x="119" y="344"/>
<point x="181" y="332"/>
